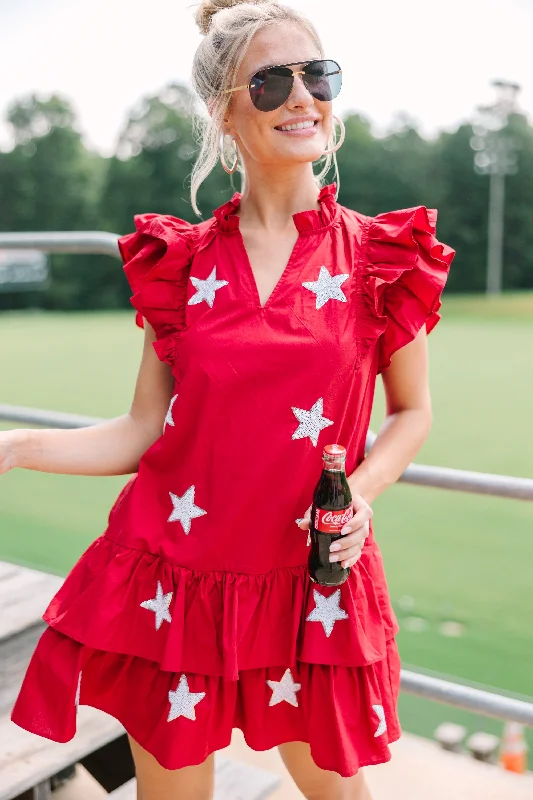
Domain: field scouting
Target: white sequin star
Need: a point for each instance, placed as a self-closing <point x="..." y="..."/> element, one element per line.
<point x="285" y="689"/>
<point x="311" y="422"/>
<point x="182" y="701"/>
<point x="205" y="289"/>
<point x="184" y="509"/>
<point x="382" y="727"/>
<point x="327" y="287"/>
<point x="327" y="610"/>
<point x="77" y="698"/>
<point x="159" y="604"/>
<point x="169" y="419"/>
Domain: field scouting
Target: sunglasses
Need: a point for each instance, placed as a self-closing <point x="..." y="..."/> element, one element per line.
<point x="271" y="87"/>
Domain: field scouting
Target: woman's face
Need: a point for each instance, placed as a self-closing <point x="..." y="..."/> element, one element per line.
<point x="256" y="131"/>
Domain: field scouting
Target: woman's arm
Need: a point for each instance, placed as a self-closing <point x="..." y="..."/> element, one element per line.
<point x="401" y="436"/>
<point x="113" y="447"/>
<point x="406" y="426"/>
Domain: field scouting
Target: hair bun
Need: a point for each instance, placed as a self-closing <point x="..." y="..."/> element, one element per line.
<point x="208" y="9"/>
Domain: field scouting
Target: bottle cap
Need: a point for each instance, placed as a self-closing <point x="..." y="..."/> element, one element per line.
<point x="335" y="450"/>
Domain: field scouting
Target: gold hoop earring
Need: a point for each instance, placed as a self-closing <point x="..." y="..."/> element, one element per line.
<point x="342" y="136"/>
<point x="229" y="170"/>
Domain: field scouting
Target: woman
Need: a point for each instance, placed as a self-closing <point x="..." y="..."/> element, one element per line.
<point x="193" y="613"/>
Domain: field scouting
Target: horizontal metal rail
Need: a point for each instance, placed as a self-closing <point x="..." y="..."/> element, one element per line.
<point x="489" y="704"/>
<point x="456" y="694"/>
<point x="89" y="242"/>
<point x="48" y="419"/>
<point x="456" y="480"/>
<point x="462" y="480"/>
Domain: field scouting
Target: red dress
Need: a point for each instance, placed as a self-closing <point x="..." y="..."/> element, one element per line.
<point x="193" y="612"/>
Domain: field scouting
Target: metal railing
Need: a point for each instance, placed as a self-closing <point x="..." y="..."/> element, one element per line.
<point x="490" y="704"/>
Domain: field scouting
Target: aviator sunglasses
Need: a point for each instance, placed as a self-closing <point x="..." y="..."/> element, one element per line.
<point x="271" y="87"/>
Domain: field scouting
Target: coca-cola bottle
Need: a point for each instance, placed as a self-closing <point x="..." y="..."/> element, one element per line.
<point x="330" y="511"/>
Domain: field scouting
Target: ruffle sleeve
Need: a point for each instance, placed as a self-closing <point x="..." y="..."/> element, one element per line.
<point x="157" y="257"/>
<point x="404" y="273"/>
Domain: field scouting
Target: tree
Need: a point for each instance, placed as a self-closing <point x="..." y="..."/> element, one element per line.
<point x="378" y="175"/>
<point x="49" y="182"/>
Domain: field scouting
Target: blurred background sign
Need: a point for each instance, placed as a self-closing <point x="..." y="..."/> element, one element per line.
<point x="23" y="270"/>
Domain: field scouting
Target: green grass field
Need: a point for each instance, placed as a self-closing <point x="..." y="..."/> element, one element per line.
<point x="459" y="557"/>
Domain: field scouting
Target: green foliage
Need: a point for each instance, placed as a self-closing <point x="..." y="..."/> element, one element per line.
<point x="51" y="181"/>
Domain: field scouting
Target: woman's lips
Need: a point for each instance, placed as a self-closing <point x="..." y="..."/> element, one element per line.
<point x="305" y="132"/>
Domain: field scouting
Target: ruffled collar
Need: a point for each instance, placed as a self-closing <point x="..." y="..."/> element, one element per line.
<point x="304" y="221"/>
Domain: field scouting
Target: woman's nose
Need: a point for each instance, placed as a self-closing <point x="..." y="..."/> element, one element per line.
<point x="300" y="94"/>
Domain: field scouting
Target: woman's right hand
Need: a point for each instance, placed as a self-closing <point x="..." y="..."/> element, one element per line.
<point x="7" y="451"/>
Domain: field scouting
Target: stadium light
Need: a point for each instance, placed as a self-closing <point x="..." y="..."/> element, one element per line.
<point x="496" y="156"/>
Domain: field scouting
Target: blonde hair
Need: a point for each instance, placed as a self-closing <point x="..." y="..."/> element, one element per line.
<point x="228" y="27"/>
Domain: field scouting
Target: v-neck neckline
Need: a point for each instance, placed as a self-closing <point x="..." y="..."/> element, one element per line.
<point x="251" y="276"/>
<point x="306" y="222"/>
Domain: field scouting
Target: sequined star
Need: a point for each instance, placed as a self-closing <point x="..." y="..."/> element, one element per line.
<point x="169" y="419"/>
<point x="159" y="604"/>
<point x="77" y="698"/>
<point x="311" y="422"/>
<point x="205" y="290"/>
<point x="327" y="610"/>
<point x="182" y="701"/>
<point x="184" y="509"/>
<point x="285" y="689"/>
<point x="382" y="727"/>
<point x="327" y="287"/>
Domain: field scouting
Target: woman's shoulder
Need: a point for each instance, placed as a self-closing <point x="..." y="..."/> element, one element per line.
<point x="165" y="228"/>
<point x="157" y="257"/>
<point x="400" y="237"/>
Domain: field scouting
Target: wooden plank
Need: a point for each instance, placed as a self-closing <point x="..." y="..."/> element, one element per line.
<point x="126" y="792"/>
<point x="41" y="792"/>
<point x="15" y="654"/>
<point x="27" y="760"/>
<point x="24" y="596"/>
<point x="111" y="765"/>
<point x="234" y="780"/>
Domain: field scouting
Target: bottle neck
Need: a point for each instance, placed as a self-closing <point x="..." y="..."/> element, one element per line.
<point x="336" y="465"/>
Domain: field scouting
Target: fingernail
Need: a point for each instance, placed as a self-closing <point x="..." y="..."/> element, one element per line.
<point x="345" y="530"/>
<point x="334" y="558"/>
<point x="334" y="546"/>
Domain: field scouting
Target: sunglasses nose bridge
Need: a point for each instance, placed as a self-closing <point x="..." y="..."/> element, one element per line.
<point x="294" y="74"/>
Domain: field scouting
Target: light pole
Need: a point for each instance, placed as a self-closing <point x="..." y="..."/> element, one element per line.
<point x="496" y="157"/>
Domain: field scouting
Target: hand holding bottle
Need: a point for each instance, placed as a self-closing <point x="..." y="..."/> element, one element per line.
<point x="341" y="522"/>
<point x="348" y="549"/>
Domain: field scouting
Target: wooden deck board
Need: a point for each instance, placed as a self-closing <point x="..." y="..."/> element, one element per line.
<point x="24" y="595"/>
<point x="27" y="759"/>
<point x="234" y="780"/>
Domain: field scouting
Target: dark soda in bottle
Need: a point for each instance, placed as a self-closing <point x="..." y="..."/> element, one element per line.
<point x="330" y="511"/>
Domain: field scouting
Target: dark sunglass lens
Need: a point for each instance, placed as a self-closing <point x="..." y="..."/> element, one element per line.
<point x="270" y="88"/>
<point x="323" y="79"/>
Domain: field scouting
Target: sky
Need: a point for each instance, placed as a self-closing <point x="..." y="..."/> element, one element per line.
<point x="433" y="60"/>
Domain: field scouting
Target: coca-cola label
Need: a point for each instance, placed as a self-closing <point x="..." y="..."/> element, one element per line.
<point x="328" y="521"/>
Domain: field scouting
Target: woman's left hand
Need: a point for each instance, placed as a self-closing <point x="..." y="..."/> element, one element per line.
<point x="348" y="549"/>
